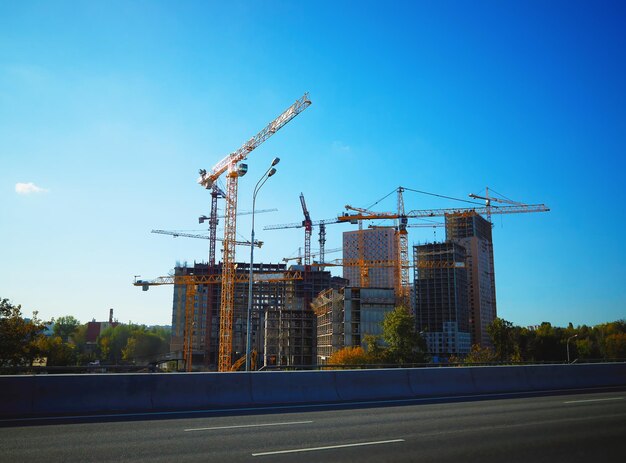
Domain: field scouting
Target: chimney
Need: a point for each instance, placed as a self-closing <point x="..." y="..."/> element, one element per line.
<point x="110" y="315"/>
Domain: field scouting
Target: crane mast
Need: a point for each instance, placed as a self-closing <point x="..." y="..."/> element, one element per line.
<point x="229" y="165"/>
<point x="402" y="271"/>
<point x="308" y="228"/>
<point x="216" y="192"/>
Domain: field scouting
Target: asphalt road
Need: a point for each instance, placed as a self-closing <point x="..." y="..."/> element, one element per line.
<point x="584" y="427"/>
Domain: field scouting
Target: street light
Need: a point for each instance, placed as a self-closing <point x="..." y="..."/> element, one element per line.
<point x="268" y="173"/>
<point x="568" y="340"/>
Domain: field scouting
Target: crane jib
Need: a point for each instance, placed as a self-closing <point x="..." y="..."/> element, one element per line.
<point x="300" y="105"/>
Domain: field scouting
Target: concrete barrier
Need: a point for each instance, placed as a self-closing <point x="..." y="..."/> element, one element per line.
<point x="90" y="393"/>
<point x="499" y="379"/>
<point x="23" y="396"/>
<point x="293" y="387"/>
<point x="373" y="384"/>
<point x="16" y="395"/>
<point x="187" y="391"/>
<point x="428" y="382"/>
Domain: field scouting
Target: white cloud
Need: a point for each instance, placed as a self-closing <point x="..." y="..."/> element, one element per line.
<point x="28" y="188"/>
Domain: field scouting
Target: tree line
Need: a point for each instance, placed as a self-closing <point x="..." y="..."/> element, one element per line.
<point x="401" y="344"/>
<point x="23" y="342"/>
<point x="547" y="343"/>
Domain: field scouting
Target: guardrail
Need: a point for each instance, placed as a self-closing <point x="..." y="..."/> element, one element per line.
<point x="40" y="395"/>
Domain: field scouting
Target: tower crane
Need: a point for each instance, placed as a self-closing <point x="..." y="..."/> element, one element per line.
<point x="308" y="228"/>
<point x="402" y="283"/>
<point x="232" y="166"/>
<point x="313" y="254"/>
<point x="488" y="200"/>
<point x="176" y="234"/>
<point x="216" y="192"/>
<point x="402" y="248"/>
<point x="322" y="233"/>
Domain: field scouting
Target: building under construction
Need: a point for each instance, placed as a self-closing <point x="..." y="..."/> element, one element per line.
<point x="442" y="308"/>
<point x="473" y="232"/>
<point x="346" y="315"/>
<point x="283" y="323"/>
<point x="290" y="335"/>
<point x="376" y="246"/>
<point x="266" y="296"/>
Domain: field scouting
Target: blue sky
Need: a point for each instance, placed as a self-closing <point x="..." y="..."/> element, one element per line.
<point x="110" y="108"/>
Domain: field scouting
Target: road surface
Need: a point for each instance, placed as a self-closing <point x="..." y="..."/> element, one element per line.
<point x="584" y="427"/>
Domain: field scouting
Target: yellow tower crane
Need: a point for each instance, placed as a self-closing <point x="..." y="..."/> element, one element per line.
<point x="402" y="281"/>
<point x="234" y="169"/>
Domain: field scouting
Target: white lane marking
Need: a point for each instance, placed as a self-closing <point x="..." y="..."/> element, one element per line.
<point x="248" y="426"/>
<point x="313" y="449"/>
<point x="592" y="400"/>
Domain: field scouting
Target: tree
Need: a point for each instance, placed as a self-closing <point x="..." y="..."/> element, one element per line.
<point x="18" y="337"/>
<point x="112" y="341"/>
<point x="57" y="352"/>
<point x="404" y="343"/>
<point x="480" y="354"/>
<point x="547" y="344"/>
<point x="501" y="333"/>
<point x="66" y="326"/>
<point x="349" y="356"/>
<point x="143" y="344"/>
<point x="375" y="351"/>
<point x="615" y="346"/>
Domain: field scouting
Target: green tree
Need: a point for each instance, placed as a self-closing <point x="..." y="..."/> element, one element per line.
<point x="502" y="333"/>
<point x="375" y="352"/>
<point x="112" y="341"/>
<point x="57" y="352"/>
<point x="18" y="337"/>
<point x="66" y="326"/>
<point x="404" y="343"/>
<point x="104" y="344"/>
<point x="615" y="346"/>
<point x="547" y="345"/>
<point x="479" y="354"/>
<point x="143" y="345"/>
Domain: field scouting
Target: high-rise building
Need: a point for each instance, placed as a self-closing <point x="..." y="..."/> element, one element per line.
<point x="473" y="232"/>
<point x="441" y="298"/>
<point x="346" y="315"/>
<point x="376" y="244"/>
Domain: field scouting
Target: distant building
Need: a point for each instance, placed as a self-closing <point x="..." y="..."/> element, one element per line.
<point x="346" y="315"/>
<point x="94" y="328"/>
<point x="473" y="232"/>
<point x="376" y="244"/>
<point x="441" y="297"/>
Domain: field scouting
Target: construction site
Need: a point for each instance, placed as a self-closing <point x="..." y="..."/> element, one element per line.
<point x="229" y="314"/>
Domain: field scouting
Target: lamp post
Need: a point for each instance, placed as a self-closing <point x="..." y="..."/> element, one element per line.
<point x="568" y="340"/>
<point x="268" y="173"/>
